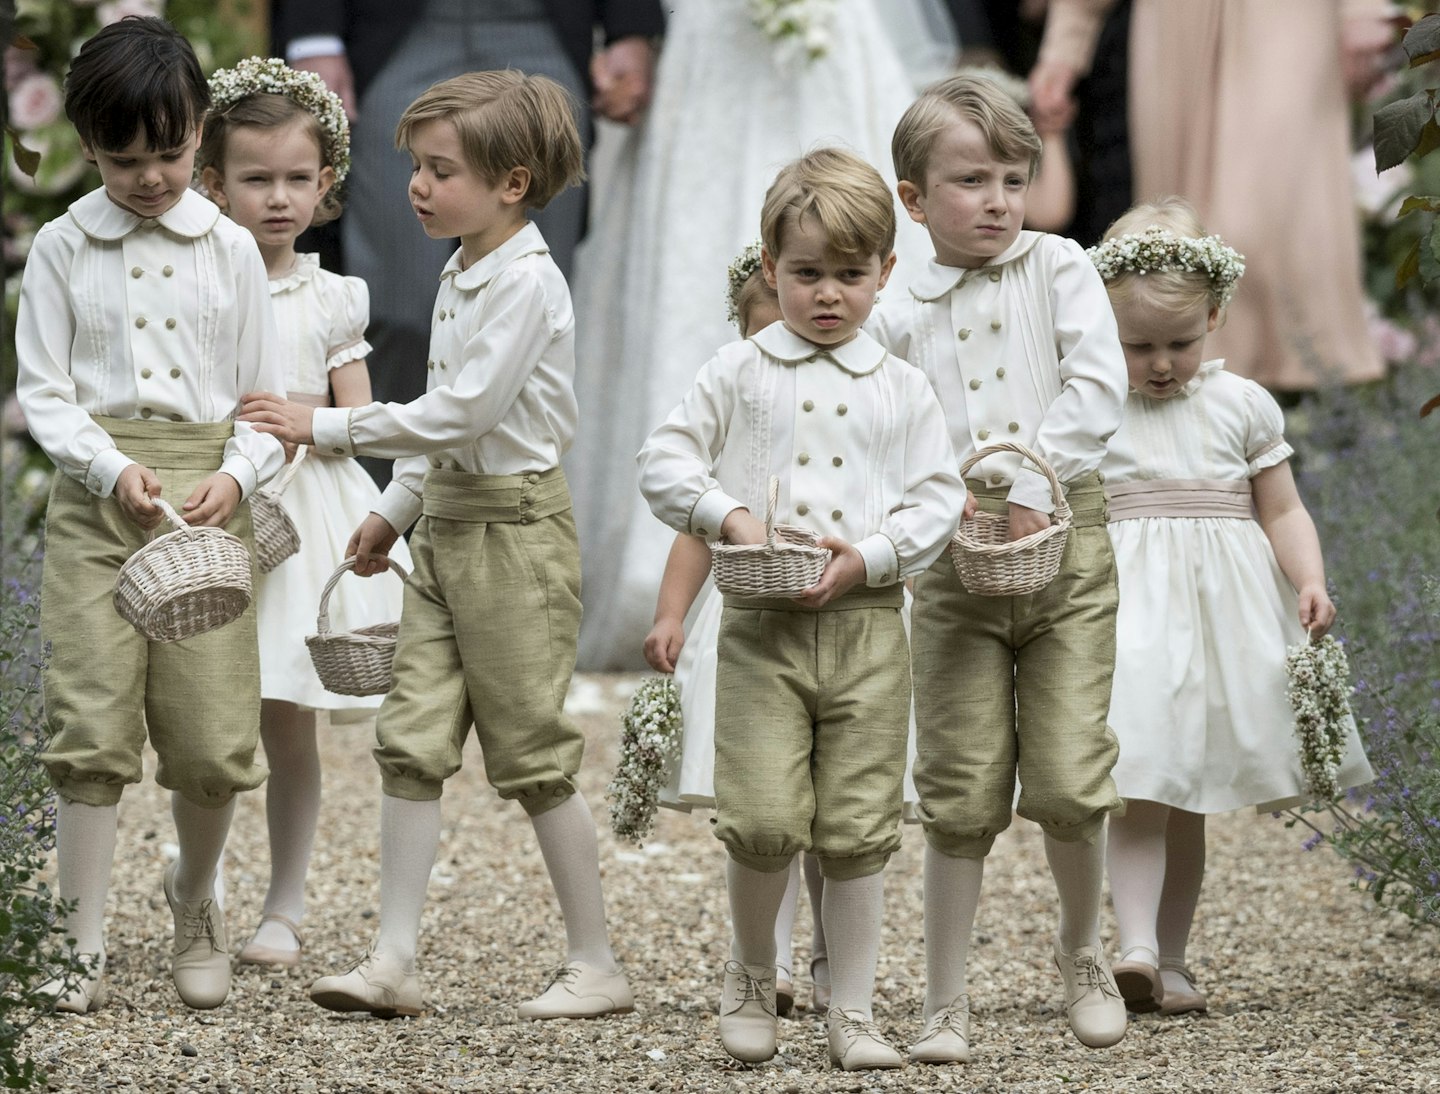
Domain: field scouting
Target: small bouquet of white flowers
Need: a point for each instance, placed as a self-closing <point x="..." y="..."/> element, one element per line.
<point x="800" y="29"/>
<point x="1319" y="693"/>
<point x="650" y="735"/>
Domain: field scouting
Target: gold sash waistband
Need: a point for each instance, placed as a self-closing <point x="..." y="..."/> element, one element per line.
<point x="861" y="596"/>
<point x="193" y="446"/>
<point x="1181" y="498"/>
<point x="495" y="499"/>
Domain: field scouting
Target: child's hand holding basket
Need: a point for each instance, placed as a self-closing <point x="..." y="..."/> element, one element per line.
<point x="786" y="564"/>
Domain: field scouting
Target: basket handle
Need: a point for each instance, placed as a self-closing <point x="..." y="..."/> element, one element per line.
<point x="772" y="503"/>
<point x="322" y="621"/>
<point x="1057" y="492"/>
<point x="290" y="470"/>
<point x="170" y="514"/>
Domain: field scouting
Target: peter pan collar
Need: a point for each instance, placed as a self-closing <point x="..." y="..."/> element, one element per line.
<point x="101" y="219"/>
<point x="527" y="241"/>
<point x="305" y="267"/>
<point x="935" y="280"/>
<point x="859" y="356"/>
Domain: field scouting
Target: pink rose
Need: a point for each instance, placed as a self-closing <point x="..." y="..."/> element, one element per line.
<point x="35" y="101"/>
<point x="116" y="10"/>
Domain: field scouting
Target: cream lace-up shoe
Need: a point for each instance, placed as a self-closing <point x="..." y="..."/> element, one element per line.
<point x="747" y="1012"/>
<point x="946" y="1039"/>
<point x="378" y="983"/>
<point x="1092" y="1001"/>
<point x="856" y="1043"/>
<point x="580" y="990"/>
<point x="201" y="965"/>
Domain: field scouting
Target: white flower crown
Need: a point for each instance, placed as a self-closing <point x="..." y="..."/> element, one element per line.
<point x="744" y="265"/>
<point x="1158" y="248"/>
<point x="272" y="76"/>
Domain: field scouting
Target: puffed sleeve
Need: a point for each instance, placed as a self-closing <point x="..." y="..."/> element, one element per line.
<point x="1265" y="443"/>
<point x="351" y="315"/>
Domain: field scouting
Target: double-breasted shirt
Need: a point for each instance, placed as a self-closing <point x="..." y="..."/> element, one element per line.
<point x="500" y="380"/>
<point x="1023" y="348"/>
<point x="158" y="318"/>
<point x="855" y="436"/>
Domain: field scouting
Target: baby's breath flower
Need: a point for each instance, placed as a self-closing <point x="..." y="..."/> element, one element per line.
<point x="800" y="29"/>
<point x="1159" y="249"/>
<point x="650" y="735"/>
<point x="744" y="265"/>
<point x="1319" y="693"/>
<point x="272" y="76"/>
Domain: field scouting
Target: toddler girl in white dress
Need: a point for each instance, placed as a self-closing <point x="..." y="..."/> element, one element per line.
<point x="275" y="149"/>
<point x="1220" y="571"/>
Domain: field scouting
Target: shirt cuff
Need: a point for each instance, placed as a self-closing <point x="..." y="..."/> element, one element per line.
<point x="882" y="561"/>
<point x="242" y="471"/>
<point x="1032" y="490"/>
<point x="314" y="45"/>
<point x="330" y="427"/>
<point x="104" y="469"/>
<point x="399" y="505"/>
<point x="709" y="513"/>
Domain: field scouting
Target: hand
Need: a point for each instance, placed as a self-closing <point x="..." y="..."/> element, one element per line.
<point x="213" y="502"/>
<point x="740" y="528"/>
<point x="971" y="506"/>
<point x="279" y="417"/>
<point x="1317" y="610"/>
<point x="134" y="488"/>
<point x="290" y="450"/>
<point x="334" y="69"/>
<point x="370" y="545"/>
<point x="843" y="572"/>
<point x="1025" y="521"/>
<point x="663" y="644"/>
<point x="1051" y="103"/>
<point x="623" y="75"/>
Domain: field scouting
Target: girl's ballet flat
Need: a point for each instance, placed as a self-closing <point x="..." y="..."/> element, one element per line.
<point x="89" y="994"/>
<point x="1139" y="983"/>
<point x="784" y="997"/>
<point x="252" y="953"/>
<point x="1184" y="1001"/>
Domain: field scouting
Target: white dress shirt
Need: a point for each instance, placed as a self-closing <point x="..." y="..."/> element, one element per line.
<point x="163" y="318"/>
<point x="500" y="395"/>
<point x="1023" y="348"/>
<point x="856" y="437"/>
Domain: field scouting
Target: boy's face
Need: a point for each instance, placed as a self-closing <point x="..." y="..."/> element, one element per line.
<point x="972" y="204"/>
<point x="452" y="199"/>
<point x="146" y="182"/>
<point x="824" y="296"/>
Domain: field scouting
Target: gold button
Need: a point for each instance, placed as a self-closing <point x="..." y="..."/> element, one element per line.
<point x="802" y="508"/>
<point x="430" y="365"/>
<point x="994" y="275"/>
<point x="964" y="333"/>
<point x="136" y="271"/>
<point x="804" y="458"/>
<point x="701" y="532"/>
<point x="1100" y="477"/>
<point x="837" y="461"/>
<point x="174" y="374"/>
<point x="995" y="480"/>
<point x="835" y="514"/>
<point x="144" y="374"/>
<point x="974" y="385"/>
<point x="338" y="451"/>
<point x="442" y="366"/>
<point x="145" y="412"/>
<point x="994" y="324"/>
<point x="442" y="315"/>
<point x="807" y="405"/>
<point x="842" y="410"/>
<point x="1013" y="427"/>
<point x="452" y="313"/>
<point x="177" y="418"/>
<point x="1000" y="373"/>
<point x="524" y="520"/>
<point x="140" y="322"/>
<point x="529" y="514"/>
<point x="169" y="324"/>
<point x="532" y="478"/>
<point x="984" y="434"/>
<point x="168" y="271"/>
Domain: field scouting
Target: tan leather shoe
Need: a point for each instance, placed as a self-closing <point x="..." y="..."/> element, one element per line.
<point x="378" y="984"/>
<point x="1092" y="1001"/>
<point x="89" y="994"/>
<point x="784" y="996"/>
<point x="856" y="1043"/>
<point x="253" y="953"/>
<point x="580" y="990"/>
<point x="1137" y="975"/>
<point x="1182" y="1002"/>
<point x="747" y="1012"/>
<point x="201" y="965"/>
<point x="946" y="1039"/>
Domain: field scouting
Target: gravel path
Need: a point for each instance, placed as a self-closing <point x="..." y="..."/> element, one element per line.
<point x="1310" y="990"/>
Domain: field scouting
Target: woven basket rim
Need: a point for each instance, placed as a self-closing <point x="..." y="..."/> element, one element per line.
<point x="322" y="619"/>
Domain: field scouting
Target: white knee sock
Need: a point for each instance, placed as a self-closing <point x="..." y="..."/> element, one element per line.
<point x="1184" y="874"/>
<point x="1078" y="868"/>
<point x="409" y="838"/>
<point x="852" y="911"/>
<point x="84" y="852"/>
<point x="1136" y="861"/>
<point x="200" y="832"/>
<point x="292" y="807"/>
<point x="815" y="887"/>
<point x="952" y="894"/>
<point x="567" y="841"/>
<point x="785" y="923"/>
<point x="755" y="899"/>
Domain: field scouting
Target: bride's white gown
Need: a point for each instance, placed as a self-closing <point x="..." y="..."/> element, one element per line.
<point x="673" y="203"/>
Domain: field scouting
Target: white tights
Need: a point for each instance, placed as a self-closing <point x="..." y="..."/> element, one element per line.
<point x="292" y="808"/>
<point x="1157" y="865"/>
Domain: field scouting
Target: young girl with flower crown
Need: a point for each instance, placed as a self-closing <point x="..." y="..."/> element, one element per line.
<point x="274" y="153"/>
<point x="1220" y="571"/>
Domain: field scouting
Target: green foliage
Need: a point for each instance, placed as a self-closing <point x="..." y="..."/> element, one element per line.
<point x="1408" y="127"/>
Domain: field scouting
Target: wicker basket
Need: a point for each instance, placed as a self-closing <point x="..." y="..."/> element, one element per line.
<point x="786" y="564"/>
<point x="276" y="537"/>
<point x="987" y="562"/>
<point x="185" y="582"/>
<point x="353" y="662"/>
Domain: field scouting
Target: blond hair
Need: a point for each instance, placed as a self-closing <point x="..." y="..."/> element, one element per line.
<point x="1006" y="127"/>
<point x="1169" y="289"/>
<point x="846" y="196"/>
<point x="753" y="292"/>
<point x="505" y="120"/>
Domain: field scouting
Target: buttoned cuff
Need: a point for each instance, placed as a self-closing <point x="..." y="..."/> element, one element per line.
<point x="882" y="561"/>
<point x="1032" y="490"/>
<point x="104" y="469"/>
<point x="314" y="45"/>
<point x="709" y="513"/>
<point x="330" y="427"/>
<point x="399" y="505"/>
<point x="242" y="471"/>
